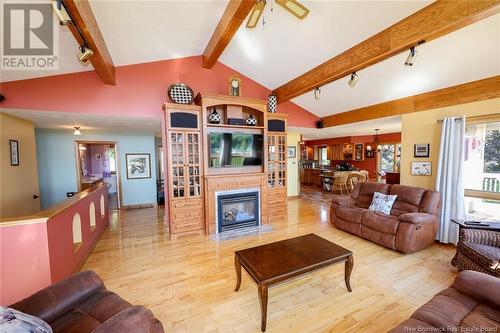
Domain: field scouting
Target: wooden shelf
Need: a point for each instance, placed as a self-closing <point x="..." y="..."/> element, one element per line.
<point x="234" y="126"/>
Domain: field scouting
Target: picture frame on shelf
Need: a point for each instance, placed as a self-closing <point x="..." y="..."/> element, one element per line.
<point x="421" y="168"/>
<point x="14" y="152"/>
<point x="421" y="150"/>
<point x="138" y="165"/>
<point x="291" y="151"/>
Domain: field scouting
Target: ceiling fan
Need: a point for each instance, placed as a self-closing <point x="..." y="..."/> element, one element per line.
<point x="293" y="6"/>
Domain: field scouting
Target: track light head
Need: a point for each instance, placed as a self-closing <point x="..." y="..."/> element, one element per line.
<point x="411" y="57"/>
<point x="354" y="79"/>
<point x="84" y="54"/>
<point x="317" y="93"/>
<point x="62" y="14"/>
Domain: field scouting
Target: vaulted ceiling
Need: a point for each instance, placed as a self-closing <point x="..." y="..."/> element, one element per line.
<point x="285" y="47"/>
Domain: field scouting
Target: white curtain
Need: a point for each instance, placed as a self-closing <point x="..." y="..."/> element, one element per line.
<point x="449" y="180"/>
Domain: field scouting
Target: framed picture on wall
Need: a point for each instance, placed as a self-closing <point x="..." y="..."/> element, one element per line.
<point x="14" y="152"/>
<point x="421" y="150"/>
<point x="421" y="168"/>
<point x="138" y="166"/>
<point x="291" y="151"/>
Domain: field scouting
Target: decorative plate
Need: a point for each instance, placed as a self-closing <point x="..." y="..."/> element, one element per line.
<point x="180" y="93"/>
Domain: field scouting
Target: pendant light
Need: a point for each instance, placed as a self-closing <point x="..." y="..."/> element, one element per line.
<point x="77" y="131"/>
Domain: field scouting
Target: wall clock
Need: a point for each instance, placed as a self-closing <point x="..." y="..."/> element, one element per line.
<point x="234" y="86"/>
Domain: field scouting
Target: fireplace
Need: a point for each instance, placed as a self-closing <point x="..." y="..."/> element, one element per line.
<point x="237" y="210"/>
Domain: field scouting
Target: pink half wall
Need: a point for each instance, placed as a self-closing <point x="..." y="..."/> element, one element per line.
<point x="25" y="263"/>
<point x="140" y="90"/>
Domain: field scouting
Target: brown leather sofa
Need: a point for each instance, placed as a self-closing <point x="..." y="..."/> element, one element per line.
<point x="410" y="227"/>
<point x="81" y="304"/>
<point x="471" y="304"/>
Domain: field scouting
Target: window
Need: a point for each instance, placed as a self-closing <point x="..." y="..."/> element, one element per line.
<point x="390" y="157"/>
<point x="482" y="167"/>
<point x="323" y="156"/>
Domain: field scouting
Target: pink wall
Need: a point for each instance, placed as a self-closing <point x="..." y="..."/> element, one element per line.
<point x="34" y="256"/>
<point x="63" y="259"/>
<point x="140" y="90"/>
<point x="24" y="257"/>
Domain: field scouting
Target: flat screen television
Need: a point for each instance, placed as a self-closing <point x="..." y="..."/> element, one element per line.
<point x="235" y="149"/>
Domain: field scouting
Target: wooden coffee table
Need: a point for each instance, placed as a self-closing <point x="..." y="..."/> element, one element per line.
<point x="276" y="262"/>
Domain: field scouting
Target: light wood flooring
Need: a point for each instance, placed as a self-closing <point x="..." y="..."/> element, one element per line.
<point x="189" y="282"/>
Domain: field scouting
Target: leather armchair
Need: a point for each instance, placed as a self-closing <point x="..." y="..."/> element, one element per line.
<point x="471" y="304"/>
<point x="81" y="303"/>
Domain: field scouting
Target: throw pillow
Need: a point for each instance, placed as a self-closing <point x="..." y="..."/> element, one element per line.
<point x="13" y="321"/>
<point x="382" y="202"/>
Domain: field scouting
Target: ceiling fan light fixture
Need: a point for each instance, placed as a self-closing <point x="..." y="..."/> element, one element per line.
<point x="294" y="7"/>
<point x="77" y="131"/>
<point x="255" y="14"/>
<point x="354" y="79"/>
<point x="317" y="93"/>
<point x="411" y="57"/>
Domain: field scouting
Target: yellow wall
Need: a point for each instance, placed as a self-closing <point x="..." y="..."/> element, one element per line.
<point x="422" y="127"/>
<point x="293" y="166"/>
<point x="18" y="183"/>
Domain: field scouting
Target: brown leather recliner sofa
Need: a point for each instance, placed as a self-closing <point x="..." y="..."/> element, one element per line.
<point x="471" y="304"/>
<point x="410" y="227"/>
<point x="81" y="304"/>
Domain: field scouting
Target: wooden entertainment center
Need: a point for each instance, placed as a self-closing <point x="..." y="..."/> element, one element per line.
<point x="195" y="177"/>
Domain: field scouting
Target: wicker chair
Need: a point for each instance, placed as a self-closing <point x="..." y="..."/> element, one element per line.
<point x="353" y="179"/>
<point x="478" y="250"/>
<point x="340" y="183"/>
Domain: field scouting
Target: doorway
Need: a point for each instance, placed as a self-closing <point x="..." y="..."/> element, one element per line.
<point x="98" y="162"/>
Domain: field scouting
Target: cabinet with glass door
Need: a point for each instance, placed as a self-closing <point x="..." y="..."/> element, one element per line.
<point x="277" y="166"/>
<point x="185" y="186"/>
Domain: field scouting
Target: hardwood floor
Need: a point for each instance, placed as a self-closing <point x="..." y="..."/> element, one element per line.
<point x="189" y="282"/>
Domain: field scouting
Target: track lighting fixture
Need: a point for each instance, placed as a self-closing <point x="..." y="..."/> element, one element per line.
<point x="354" y="79"/>
<point x="317" y="93"/>
<point x="411" y="57"/>
<point x="77" y="131"/>
<point x="84" y="54"/>
<point x="62" y="14"/>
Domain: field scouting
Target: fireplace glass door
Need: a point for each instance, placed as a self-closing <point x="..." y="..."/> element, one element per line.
<point x="237" y="211"/>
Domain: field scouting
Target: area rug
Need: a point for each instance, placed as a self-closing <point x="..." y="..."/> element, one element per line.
<point x="243" y="232"/>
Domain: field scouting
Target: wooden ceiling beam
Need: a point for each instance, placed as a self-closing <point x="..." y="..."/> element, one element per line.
<point x="235" y="13"/>
<point x="85" y="25"/>
<point x="460" y="94"/>
<point x="437" y="19"/>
